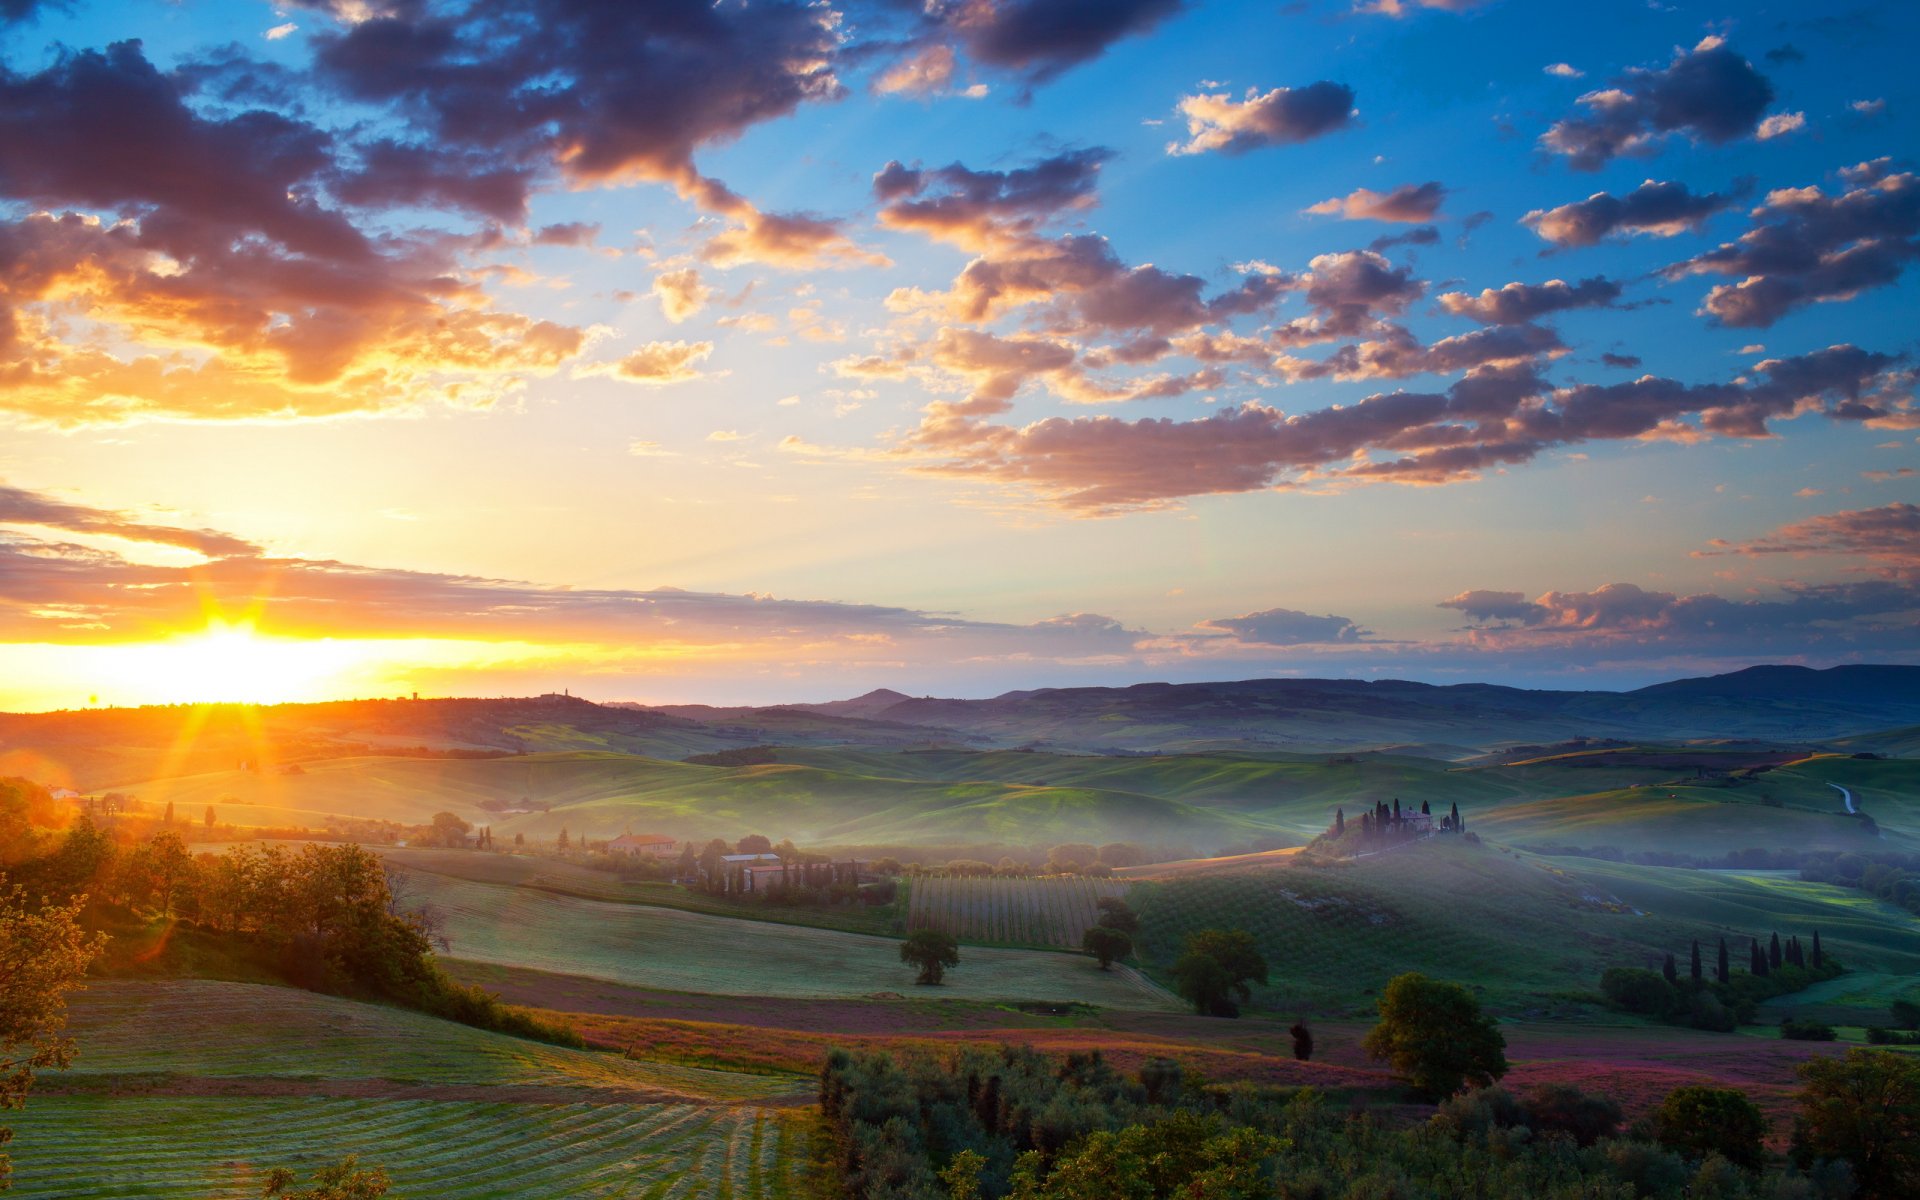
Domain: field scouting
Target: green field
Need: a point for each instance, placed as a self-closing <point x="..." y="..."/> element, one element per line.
<point x="956" y="797"/>
<point x="695" y="952"/>
<point x="191" y="1090"/>
<point x="1518" y="927"/>
<point x="1052" y="910"/>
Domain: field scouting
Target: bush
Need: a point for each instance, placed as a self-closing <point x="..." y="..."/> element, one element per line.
<point x="1805" y="1031"/>
<point x="1638" y="991"/>
<point x="1698" y="1121"/>
<point x="1435" y="1036"/>
<point x="1586" y="1117"/>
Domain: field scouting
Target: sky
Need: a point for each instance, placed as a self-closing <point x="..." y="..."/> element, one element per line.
<point x="744" y="353"/>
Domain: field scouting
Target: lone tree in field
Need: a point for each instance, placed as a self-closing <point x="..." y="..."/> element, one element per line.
<point x="1106" y="944"/>
<point x="43" y="954"/>
<point x="1435" y="1037"/>
<point x="1302" y="1040"/>
<point x="1216" y="965"/>
<point x="932" y="951"/>
<point x="1115" y="914"/>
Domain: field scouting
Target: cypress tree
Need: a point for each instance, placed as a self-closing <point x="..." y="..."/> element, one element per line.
<point x="1424" y="809"/>
<point x="1693" y="968"/>
<point x="1816" y="949"/>
<point x="1756" y="961"/>
<point x="1773" y="952"/>
<point x="1670" y="970"/>
<point x="1453" y="818"/>
<point x="1721" y="971"/>
<point x="1339" y="821"/>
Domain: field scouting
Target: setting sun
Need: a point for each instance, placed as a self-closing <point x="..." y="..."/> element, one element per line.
<point x="228" y="662"/>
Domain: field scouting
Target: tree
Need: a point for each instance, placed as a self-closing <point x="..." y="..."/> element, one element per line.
<point x="563" y="841"/>
<point x="754" y="843"/>
<point x="1339" y="821"/>
<point x="345" y="1180"/>
<point x="1435" y="1037"/>
<point x="168" y="861"/>
<point x="166" y="818"/>
<point x="1756" y="959"/>
<point x="1774" y="960"/>
<point x="1698" y="1121"/>
<point x="1865" y="1109"/>
<point x="209" y="818"/>
<point x="1302" y="1040"/>
<point x="1106" y="944"/>
<point x="450" y="830"/>
<point x="1115" y="914"/>
<point x="43" y="954"/>
<point x="1670" y="970"/>
<point x="1721" y="971"/>
<point x="1453" y="818"/>
<point x="1216" y="964"/>
<point x="1693" y="966"/>
<point x="1817" y="958"/>
<point x="932" y="951"/>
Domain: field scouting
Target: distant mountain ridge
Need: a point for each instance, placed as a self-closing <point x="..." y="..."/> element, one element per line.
<point x="1863" y="706"/>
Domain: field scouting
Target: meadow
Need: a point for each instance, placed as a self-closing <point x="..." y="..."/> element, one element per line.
<point x="684" y="951"/>
<point x="1530" y="933"/>
<point x="1048" y="910"/>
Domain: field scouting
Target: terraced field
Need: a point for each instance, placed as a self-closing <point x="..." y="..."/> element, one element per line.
<point x="1053" y="910"/>
<point x="193" y="1089"/>
<point x="696" y="952"/>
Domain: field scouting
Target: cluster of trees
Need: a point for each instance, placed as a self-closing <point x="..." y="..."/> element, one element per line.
<point x="1894" y="878"/>
<point x="1111" y="937"/>
<point x="1903" y="1030"/>
<point x="1069" y="858"/>
<point x="325" y="917"/>
<point x="1719" y="998"/>
<point x="804" y="878"/>
<point x="1008" y="1122"/>
<point x="1387" y="823"/>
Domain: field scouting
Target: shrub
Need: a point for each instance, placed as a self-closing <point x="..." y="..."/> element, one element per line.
<point x="1698" y="1121"/>
<point x="1586" y="1117"/>
<point x="1805" y="1031"/>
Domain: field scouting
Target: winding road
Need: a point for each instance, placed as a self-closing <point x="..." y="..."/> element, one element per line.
<point x="1847" y="796"/>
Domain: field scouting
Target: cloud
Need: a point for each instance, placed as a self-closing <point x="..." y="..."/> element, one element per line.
<point x="1808" y="247"/>
<point x="1626" y="618"/>
<point x="791" y="241"/>
<point x="1288" y="627"/>
<point x="1888" y="535"/>
<point x="927" y="72"/>
<point x="1781" y="124"/>
<point x="1494" y="416"/>
<point x="681" y="293"/>
<point x="656" y="363"/>
<point x="1409" y="203"/>
<point x="280" y="31"/>
<point x="1402" y="8"/>
<point x="1281" y="117"/>
<point x="1710" y="93"/>
<point x="1563" y="70"/>
<point x="1039" y="39"/>
<point x="1660" y="209"/>
<point x="980" y="210"/>
<point x="1517" y="303"/>
<point x="21" y="507"/>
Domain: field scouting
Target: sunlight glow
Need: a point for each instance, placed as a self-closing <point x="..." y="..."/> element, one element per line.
<point x="230" y="663"/>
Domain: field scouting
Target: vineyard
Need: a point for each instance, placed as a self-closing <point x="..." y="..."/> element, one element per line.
<point x="1052" y="910"/>
<point x="220" y="1148"/>
<point x="194" y="1089"/>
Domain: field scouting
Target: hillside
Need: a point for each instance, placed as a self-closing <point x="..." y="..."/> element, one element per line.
<point x="193" y="1089"/>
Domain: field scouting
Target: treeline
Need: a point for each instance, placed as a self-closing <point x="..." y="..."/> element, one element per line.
<point x="983" y="1124"/>
<point x="1711" y="994"/>
<point x="322" y="917"/>
<point x="1894" y="878"/>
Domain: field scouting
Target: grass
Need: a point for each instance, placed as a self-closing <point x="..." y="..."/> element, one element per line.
<point x="193" y="1089"/>
<point x="1529" y="933"/>
<point x="571" y="879"/>
<point x="1052" y="910"/>
<point x="209" y="1029"/>
<point x="951" y="797"/>
<point x="683" y="951"/>
<point x="214" y="1148"/>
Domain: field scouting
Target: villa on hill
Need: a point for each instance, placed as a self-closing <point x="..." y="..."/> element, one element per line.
<point x="644" y="845"/>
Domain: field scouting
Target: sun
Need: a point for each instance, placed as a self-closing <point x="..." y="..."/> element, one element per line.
<point x="231" y="663"/>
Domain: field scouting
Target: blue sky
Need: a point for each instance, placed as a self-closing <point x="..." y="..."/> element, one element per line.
<point x="631" y="330"/>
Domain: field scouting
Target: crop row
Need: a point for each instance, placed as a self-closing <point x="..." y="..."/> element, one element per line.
<point x="1053" y="910"/>
<point x="91" y="1148"/>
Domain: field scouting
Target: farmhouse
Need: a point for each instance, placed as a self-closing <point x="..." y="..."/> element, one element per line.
<point x="644" y="845"/>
